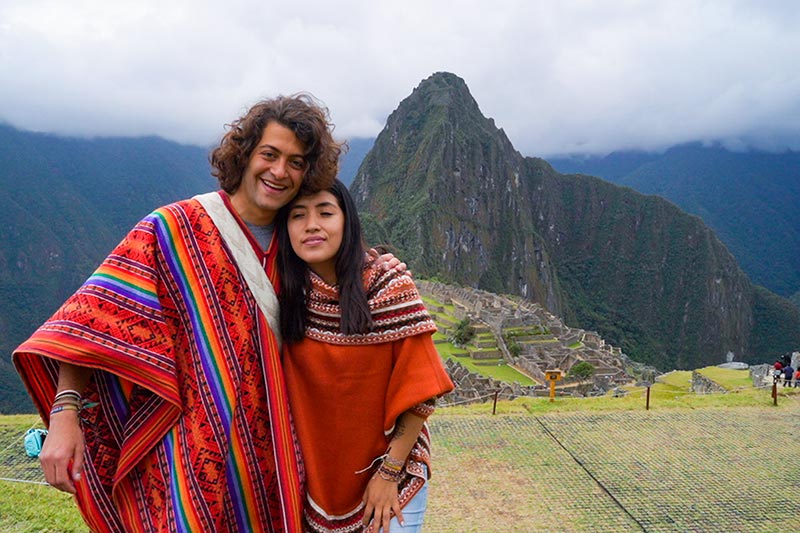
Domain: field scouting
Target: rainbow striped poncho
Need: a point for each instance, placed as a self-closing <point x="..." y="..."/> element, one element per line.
<point x="191" y="431"/>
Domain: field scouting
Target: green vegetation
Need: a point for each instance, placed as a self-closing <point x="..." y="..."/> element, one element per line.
<point x="581" y="371"/>
<point x="81" y="196"/>
<point x="514" y="348"/>
<point x="795" y="299"/>
<point x="775" y="331"/>
<point x="672" y="391"/>
<point x="604" y="270"/>
<point x="495" y="369"/>
<point x="463" y="333"/>
<point x="27" y="508"/>
<point x="730" y="379"/>
<point x="519" y="331"/>
<point x="449" y="309"/>
<point x="448" y="351"/>
<point x="712" y="182"/>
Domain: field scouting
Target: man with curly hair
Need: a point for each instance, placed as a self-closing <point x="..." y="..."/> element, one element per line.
<point x="160" y="378"/>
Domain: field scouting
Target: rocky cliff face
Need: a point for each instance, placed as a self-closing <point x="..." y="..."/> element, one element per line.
<point x="446" y="187"/>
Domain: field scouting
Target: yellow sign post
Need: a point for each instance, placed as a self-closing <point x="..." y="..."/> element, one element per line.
<point x="552" y="377"/>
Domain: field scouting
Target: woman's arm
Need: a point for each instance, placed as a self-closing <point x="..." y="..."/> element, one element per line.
<point x="62" y="452"/>
<point x="381" y="496"/>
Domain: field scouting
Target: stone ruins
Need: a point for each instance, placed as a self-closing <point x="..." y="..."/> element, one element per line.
<point x="521" y="334"/>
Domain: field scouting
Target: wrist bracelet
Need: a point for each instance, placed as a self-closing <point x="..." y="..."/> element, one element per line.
<point x="390" y="475"/>
<point x="391" y="469"/>
<point x="68" y="392"/>
<point x="392" y="463"/>
<point x="63" y="407"/>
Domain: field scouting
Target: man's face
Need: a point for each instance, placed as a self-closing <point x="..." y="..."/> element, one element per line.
<point x="272" y="177"/>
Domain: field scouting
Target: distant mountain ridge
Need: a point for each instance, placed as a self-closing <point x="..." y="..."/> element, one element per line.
<point x="445" y="186"/>
<point x="760" y="225"/>
<point x="67" y="202"/>
<point x="750" y="199"/>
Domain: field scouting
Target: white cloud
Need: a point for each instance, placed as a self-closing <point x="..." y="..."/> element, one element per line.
<point x="557" y="76"/>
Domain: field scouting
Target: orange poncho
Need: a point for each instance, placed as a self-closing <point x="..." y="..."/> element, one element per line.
<point x="346" y="391"/>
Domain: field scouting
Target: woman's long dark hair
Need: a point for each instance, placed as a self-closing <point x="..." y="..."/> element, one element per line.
<point x="295" y="280"/>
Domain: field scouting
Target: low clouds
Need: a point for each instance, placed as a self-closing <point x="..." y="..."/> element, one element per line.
<point x="558" y="77"/>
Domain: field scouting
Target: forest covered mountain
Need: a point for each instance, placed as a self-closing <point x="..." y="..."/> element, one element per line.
<point x="66" y="203"/>
<point x="751" y="200"/>
<point x="445" y="186"/>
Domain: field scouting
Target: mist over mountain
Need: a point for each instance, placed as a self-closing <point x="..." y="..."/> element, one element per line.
<point x="67" y="202"/>
<point x="749" y="198"/>
<point x="445" y="185"/>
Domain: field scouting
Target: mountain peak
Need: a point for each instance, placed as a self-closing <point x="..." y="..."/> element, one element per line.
<point x="443" y="96"/>
<point x="444" y="82"/>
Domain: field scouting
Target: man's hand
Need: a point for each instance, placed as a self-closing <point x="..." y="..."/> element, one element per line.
<point x="388" y="261"/>
<point x="62" y="452"/>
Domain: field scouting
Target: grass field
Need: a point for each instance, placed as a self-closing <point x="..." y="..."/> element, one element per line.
<point x="690" y="463"/>
<point x="496" y="369"/>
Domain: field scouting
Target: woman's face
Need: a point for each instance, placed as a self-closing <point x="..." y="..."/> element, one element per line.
<point x="316" y="228"/>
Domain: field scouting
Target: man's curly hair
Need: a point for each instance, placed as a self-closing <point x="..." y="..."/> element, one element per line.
<point x="301" y="113"/>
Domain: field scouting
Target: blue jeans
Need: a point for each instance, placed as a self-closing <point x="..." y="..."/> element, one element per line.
<point x="413" y="513"/>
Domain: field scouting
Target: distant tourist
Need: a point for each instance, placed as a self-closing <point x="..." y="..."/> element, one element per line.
<point x="362" y="371"/>
<point x="788" y="374"/>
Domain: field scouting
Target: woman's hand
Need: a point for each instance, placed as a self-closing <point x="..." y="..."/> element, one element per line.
<point x="62" y="452"/>
<point x="381" y="499"/>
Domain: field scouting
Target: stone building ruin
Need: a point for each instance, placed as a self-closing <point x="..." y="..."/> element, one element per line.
<point x="524" y="335"/>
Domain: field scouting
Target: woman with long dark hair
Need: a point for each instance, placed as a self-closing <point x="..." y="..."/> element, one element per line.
<point x="361" y="368"/>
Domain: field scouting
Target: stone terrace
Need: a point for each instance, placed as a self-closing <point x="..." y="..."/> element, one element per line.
<point x="544" y="341"/>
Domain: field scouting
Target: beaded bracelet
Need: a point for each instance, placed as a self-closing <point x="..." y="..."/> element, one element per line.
<point x="392" y="463"/>
<point x="394" y="477"/>
<point x="64" y="407"/>
<point x="391" y="469"/>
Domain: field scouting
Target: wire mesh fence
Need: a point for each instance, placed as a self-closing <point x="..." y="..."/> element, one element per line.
<point x="15" y="464"/>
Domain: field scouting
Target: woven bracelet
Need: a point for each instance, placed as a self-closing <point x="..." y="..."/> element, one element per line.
<point x="390" y="475"/>
<point x="64" y="407"/>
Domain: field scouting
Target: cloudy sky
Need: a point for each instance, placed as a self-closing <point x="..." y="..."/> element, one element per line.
<point x="559" y="77"/>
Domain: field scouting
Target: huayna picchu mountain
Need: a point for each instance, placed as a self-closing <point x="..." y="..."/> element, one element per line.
<point x="446" y="187"/>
